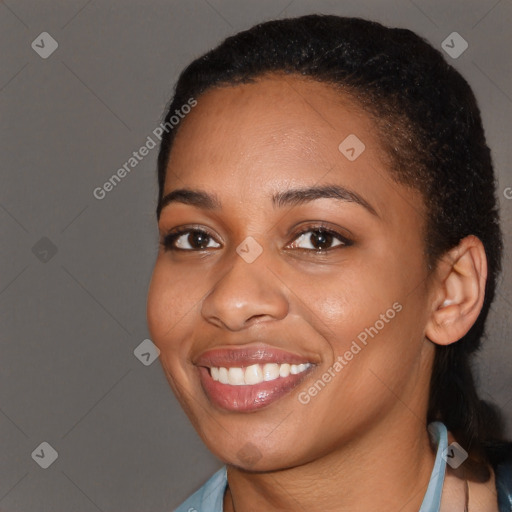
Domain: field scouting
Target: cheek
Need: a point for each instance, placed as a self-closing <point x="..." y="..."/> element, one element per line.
<point x="376" y="339"/>
<point x="342" y="303"/>
<point x="169" y="306"/>
<point x="371" y="312"/>
<point x="169" y="315"/>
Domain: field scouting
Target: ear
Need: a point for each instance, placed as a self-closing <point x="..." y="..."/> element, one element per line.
<point x="458" y="292"/>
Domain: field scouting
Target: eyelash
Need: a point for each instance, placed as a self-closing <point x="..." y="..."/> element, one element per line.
<point x="170" y="238"/>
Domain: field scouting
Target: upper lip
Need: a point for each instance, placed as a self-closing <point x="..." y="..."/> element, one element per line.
<point x="246" y="356"/>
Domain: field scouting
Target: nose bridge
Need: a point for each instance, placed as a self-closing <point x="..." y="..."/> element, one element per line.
<point x="245" y="290"/>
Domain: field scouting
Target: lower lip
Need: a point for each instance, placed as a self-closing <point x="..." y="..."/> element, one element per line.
<point x="248" y="398"/>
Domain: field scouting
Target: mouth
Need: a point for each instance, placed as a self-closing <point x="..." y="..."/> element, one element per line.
<point x="248" y="379"/>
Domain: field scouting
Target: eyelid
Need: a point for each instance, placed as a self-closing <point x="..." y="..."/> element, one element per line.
<point x="186" y="228"/>
<point x="320" y="225"/>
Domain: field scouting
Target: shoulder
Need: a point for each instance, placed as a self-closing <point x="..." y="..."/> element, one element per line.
<point x="209" y="496"/>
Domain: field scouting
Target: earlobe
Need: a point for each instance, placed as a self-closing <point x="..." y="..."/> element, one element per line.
<point x="458" y="292"/>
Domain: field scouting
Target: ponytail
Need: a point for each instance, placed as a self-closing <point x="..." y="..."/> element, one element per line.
<point x="477" y="425"/>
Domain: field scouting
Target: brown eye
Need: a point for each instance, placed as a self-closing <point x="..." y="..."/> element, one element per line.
<point x="319" y="239"/>
<point x="189" y="240"/>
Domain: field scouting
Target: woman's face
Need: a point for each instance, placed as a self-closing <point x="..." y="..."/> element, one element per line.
<point x="255" y="288"/>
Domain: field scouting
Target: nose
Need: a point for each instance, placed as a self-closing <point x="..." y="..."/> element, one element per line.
<point x="246" y="293"/>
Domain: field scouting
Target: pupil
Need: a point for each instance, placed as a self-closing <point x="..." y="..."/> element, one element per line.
<point x="198" y="239"/>
<point x="321" y="238"/>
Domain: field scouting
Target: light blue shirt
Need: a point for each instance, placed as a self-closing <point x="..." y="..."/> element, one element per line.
<point x="210" y="497"/>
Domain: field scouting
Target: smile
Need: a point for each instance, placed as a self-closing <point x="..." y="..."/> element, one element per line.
<point x="256" y="373"/>
<point x="247" y="378"/>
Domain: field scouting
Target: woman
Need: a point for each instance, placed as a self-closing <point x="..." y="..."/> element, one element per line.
<point x="330" y="246"/>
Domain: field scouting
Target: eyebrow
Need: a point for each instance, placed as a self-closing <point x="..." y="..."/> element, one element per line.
<point x="292" y="197"/>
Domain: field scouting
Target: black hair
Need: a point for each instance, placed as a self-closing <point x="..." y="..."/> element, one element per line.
<point x="430" y="128"/>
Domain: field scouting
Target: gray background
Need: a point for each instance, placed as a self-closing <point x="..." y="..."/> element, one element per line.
<point x="70" y="321"/>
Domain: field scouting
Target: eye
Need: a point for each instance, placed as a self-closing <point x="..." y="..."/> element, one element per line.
<point x="188" y="240"/>
<point x="319" y="239"/>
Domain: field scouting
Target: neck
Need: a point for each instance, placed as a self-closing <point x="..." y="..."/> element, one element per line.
<point x="388" y="468"/>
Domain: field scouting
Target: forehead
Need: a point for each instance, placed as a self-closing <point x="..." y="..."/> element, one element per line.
<point x="276" y="132"/>
<point x="280" y="117"/>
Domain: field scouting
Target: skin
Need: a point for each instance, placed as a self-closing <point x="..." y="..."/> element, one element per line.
<point x="361" y="443"/>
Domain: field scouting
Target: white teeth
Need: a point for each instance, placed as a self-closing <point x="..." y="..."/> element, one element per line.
<point x="256" y="373"/>
<point x="294" y="369"/>
<point x="236" y="376"/>
<point x="270" y="371"/>
<point x="223" y="376"/>
<point x="284" y="370"/>
<point x="253" y="374"/>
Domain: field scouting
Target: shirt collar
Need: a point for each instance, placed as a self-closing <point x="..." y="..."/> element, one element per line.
<point x="432" y="500"/>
